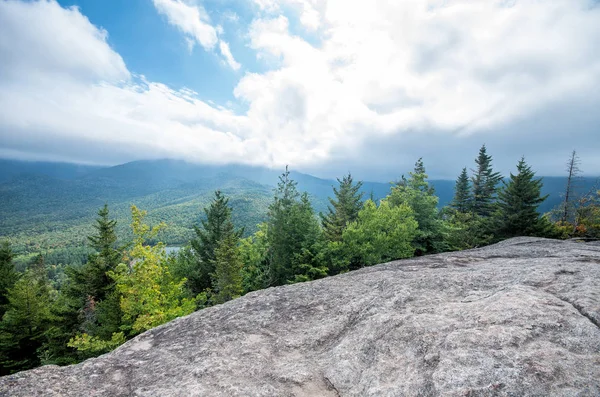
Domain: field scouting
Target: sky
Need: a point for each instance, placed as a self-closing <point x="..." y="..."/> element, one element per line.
<point x="326" y="86"/>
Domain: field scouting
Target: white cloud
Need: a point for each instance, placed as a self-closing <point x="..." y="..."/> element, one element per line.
<point x="26" y="28"/>
<point x="387" y="68"/>
<point x="192" y="20"/>
<point x="226" y="52"/>
<point x="410" y="73"/>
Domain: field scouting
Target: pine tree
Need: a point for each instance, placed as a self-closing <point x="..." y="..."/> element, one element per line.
<point x="228" y="267"/>
<point x="27" y="318"/>
<point x="484" y="185"/>
<point x="306" y="265"/>
<point x="91" y="281"/>
<point x="104" y="242"/>
<point x="279" y="229"/>
<point x="8" y="275"/>
<point x="292" y="232"/>
<point x="89" y="298"/>
<point x="207" y="241"/>
<point x="518" y="202"/>
<point x="462" y="193"/>
<point x="344" y="208"/>
<point x="416" y="193"/>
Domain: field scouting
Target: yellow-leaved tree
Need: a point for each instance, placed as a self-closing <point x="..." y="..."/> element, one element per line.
<point x="149" y="294"/>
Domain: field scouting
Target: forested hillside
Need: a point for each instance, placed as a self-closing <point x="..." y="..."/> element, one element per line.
<point x="50" y="206"/>
<point x="49" y="210"/>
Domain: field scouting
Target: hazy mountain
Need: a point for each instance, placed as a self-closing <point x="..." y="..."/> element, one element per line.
<point x="48" y="205"/>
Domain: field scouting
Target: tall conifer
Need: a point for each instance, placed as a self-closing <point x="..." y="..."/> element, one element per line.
<point x="344" y="208"/>
<point x="207" y="240"/>
<point x="484" y="184"/>
<point x="462" y="193"/>
<point x="518" y="202"/>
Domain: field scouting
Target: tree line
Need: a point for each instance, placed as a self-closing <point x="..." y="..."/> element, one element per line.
<point x="123" y="290"/>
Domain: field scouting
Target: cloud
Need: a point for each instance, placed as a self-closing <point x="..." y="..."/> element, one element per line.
<point x="226" y="52"/>
<point x="193" y="21"/>
<point x="385" y="83"/>
<point x="78" y="49"/>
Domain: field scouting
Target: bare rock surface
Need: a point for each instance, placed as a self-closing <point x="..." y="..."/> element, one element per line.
<point x="519" y="318"/>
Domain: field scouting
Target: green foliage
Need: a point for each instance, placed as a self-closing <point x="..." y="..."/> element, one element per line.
<point x="92" y="346"/>
<point x="416" y="193"/>
<point x="27" y="318"/>
<point x="462" y="193"/>
<point x="485" y="185"/>
<point x="466" y="230"/>
<point x="380" y="234"/>
<point x="91" y="281"/>
<point x="8" y="276"/>
<point x="518" y="201"/>
<point x="150" y="295"/>
<point x="208" y="239"/>
<point x="292" y="233"/>
<point x="254" y="256"/>
<point x="228" y="267"/>
<point x="588" y="216"/>
<point x="343" y="208"/>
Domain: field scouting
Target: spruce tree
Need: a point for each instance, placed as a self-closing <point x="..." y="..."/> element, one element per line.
<point x="88" y="301"/>
<point x="462" y="193"/>
<point x="207" y="240"/>
<point x="280" y="229"/>
<point x="344" y="208"/>
<point x="416" y="193"/>
<point x="518" y="202"/>
<point x="91" y="281"/>
<point x="8" y="275"/>
<point x="292" y="233"/>
<point x="27" y="318"/>
<point x="484" y="184"/>
<point x="228" y="266"/>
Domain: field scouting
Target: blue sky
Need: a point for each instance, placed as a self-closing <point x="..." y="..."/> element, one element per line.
<point x="151" y="46"/>
<point x="326" y="86"/>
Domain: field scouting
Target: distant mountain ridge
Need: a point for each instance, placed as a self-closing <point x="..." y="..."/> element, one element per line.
<point x="49" y="205"/>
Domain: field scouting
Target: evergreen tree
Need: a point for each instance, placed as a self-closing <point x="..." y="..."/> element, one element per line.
<point x="518" y="202"/>
<point x="416" y="193"/>
<point x="207" y="241"/>
<point x="228" y="267"/>
<point x="91" y="281"/>
<point x="484" y="184"/>
<point x="306" y="265"/>
<point x="27" y="318"/>
<point x="344" y="208"/>
<point x="89" y="297"/>
<point x="292" y="233"/>
<point x="254" y="251"/>
<point x="462" y="193"/>
<point x="280" y="229"/>
<point x="149" y="294"/>
<point x="8" y="275"/>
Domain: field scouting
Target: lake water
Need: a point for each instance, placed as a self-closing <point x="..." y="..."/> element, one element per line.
<point x="172" y="249"/>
